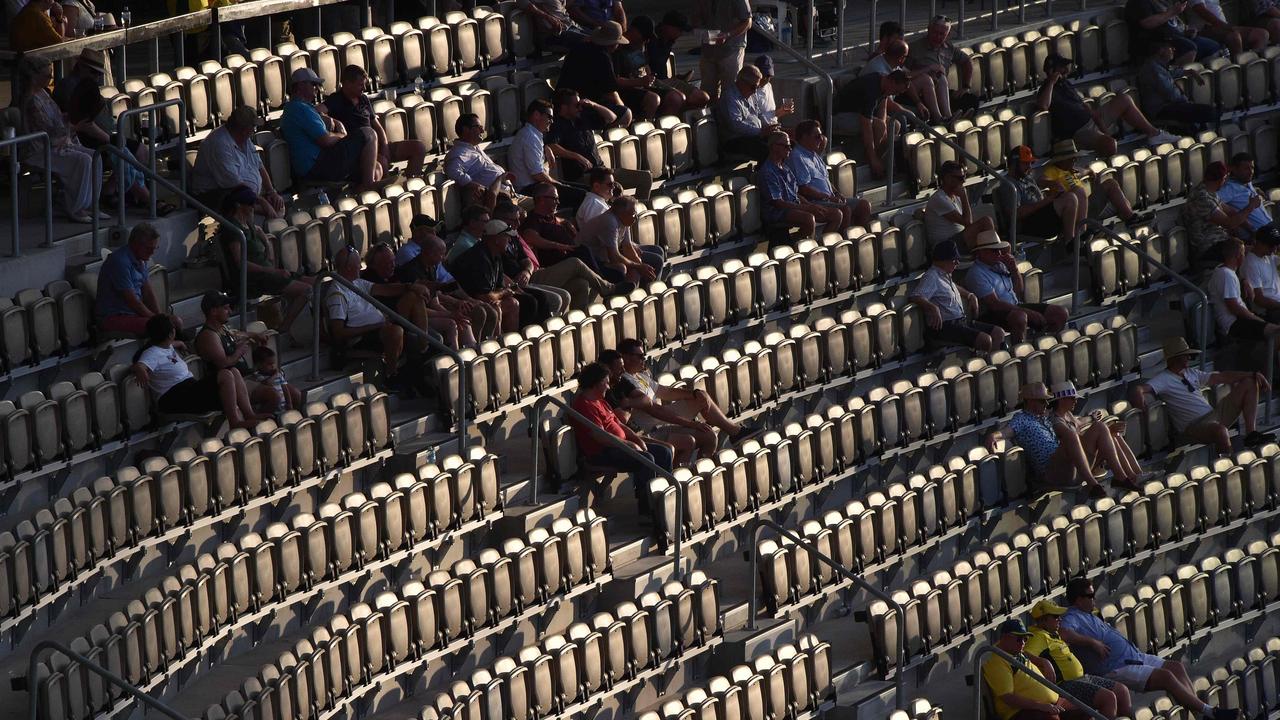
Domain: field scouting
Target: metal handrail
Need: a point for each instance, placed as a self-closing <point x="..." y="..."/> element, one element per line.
<point x="598" y="433"/>
<point x="316" y="298"/>
<point x="761" y="524"/>
<point x="1205" y="319"/>
<point x="987" y="167"/>
<point x="14" y="162"/>
<point x="152" y="112"/>
<point x="93" y="667"/>
<point x="223" y="223"/>
<point x="804" y="60"/>
<point x="986" y="650"/>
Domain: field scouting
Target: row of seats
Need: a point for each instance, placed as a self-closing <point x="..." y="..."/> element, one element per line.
<point x="951" y="606"/>
<point x="591" y="660"/>
<point x="792" y="681"/>
<point x="424" y="621"/>
<point x="1249" y="682"/>
<point x="36" y="326"/>
<point x="340" y="544"/>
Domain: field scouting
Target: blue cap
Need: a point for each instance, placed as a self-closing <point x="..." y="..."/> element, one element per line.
<point x="765" y="63"/>
<point x="946" y="250"/>
<point x="1013" y="626"/>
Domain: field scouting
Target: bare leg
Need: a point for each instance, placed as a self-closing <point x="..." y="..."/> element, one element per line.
<point x="230" y="403"/>
<point x="411" y="150"/>
<point x="712" y="413"/>
<point x="672" y="103"/>
<point x="1130" y="461"/>
<point x="942" y="90"/>
<point x="1117" y="199"/>
<point x="924" y="88"/>
<point x="392" y="345"/>
<point x="1082" y="206"/>
<point x="1016" y="324"/>
<point x="1067" y="207"/>
<point x="1163" y="679"/>
<point x="297" y="292"/>
<point x="368" y="158"/>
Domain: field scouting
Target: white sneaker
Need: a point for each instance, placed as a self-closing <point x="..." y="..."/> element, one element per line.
<point x="1163" y="137"/>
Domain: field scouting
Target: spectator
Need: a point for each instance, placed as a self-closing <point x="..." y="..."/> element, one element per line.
<point x="1104" y="651"/>
<point x="871" y="97"/>
<point x="590" y="402"/>
<point x="474" y="219"/>
<point x="1042" y="212"/>
<point x="428" y="269"/>
<point x="555" y="27"/>
<point x="354" y="322"/>
<point x="1259" y="272"/>
<point x="764" y="92"/>
<point x="944" y="303"/>
<point x="589" y="70"/>
<point x="89" y="69"/>
<point x="519" y="264"/>
<point x="422" y="230"/>
<point x="997" y="283"/>
<point x="744" y="125"/>
<point x="39" y="24"/>
<point x="531" y="159"/>
<point x="416" y="302"/>
<point x="1232" y="318"/>
<point x="480" y="273"/>
<point x="670" y="28"/>
<point x="320" y="148"/>
<point x="274" y="395"/>
<point x="936" y="49"/>
<point x="228" y="159"/>
<point x="724" y="41"/>
<point x="159" y="368"/>
<point x="1057" y="454"/>
<point x="222" y="348"/>
<point x="1266" y="15"/>
<point x="572" y="139"/>
<point x="71" y="161"/>
<point x="125" y="300"/>
<point x="582" y="284"/>
<point x="265" y="278"/>
<point x="1152" y="20"/>
<point x="608" y="237"/>
<point x="814" y="179"/>
<point x="947" y="215"/>
<point x="1209" y="221"/>
<point x="1018" y="693"/>
<point x="591" y="14"/>
<point x="1109" y="697"/>
<point x="890" y="31"/>
<point x="601" y="191"/>
<point x="476" y="174"/>
<point x="1071" y="119"/>
<point x="657" y="98"/>
<point x="684" y="448"/>
<point x="784" y="208"/>
<point x="1162" y="101"/>
<point x="664" y="411"/>
<point x="1206" y="17"/>
<point x="351" y="107"/>
<point x="927" y="88"/>
<point x="1103" y="441"/>
<point x="1179" y="386"/>
<point x="1062" y="176"/>
<point x="1239" y="192"/>
<point x="551" y="236"/>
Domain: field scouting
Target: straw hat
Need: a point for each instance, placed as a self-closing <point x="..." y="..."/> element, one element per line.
<point x="609" y="34"/>
<point x="988" y="240"/>
<point x="1065" y="150"/>
<point x="1034" y="391"/>
<point x="1177" y="347"/>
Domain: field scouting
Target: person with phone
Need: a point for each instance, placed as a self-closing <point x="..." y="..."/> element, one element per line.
<point x="997" y="282"/>
<point x="1071" y="119"/>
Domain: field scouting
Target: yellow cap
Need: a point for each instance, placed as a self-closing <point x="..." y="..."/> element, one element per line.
<point x="1044" y="607"/>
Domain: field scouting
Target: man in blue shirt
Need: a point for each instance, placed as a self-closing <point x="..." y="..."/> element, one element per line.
<point x="813" y="180"/>
<point x="320" y="148"/>
<point x="743" y="126"/>
<point x="944" y="305"/>
<point x="125" y="301"/>
<point x="1105" y="652"/>
<point x="1239" y="189"/>
<point x="783" y="206"/>
<point x="997" y="281"/>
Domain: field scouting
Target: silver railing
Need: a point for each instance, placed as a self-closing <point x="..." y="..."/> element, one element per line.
<point x="983" y="165"/>
<point x="535" y="428"/>
<point x="223" y="223"/>
<point x="317" y="295"/>
<point x="14" y="163"/>
<point x="152" y="113"/>
<point x="1206" y="319"/>
<point x="804" y="60"/>
<point x="93" y="667"/>
<point x="987" y="650"/>
<point x="763" y="523"/>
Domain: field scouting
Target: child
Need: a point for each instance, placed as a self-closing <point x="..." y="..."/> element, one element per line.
<point x="273" y="393"/>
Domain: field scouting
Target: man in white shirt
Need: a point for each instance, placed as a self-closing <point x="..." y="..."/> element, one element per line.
<point x="1259" y="272"/>
<point x="471" y="168"/>
<point x="531" y="160"/>
<point x="1232" y="317"/>
<point x="928" y="88"/>
<point x="947" y="215"/>
<point x="601" y="192"/>
<point x="1179" y="387"/>
<point x="228" y="159"/>
<point x="1207" y="17"/>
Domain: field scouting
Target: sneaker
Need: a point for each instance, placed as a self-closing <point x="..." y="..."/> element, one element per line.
<point x="1225" y="714"/>
<point x="1137" y="220"/>
<point x="1255" y="438"/>
<point x="1163" y="137"/>
<point x="620" y="288"/>
<point x="1097" y="491"/>
<point x="744" y="432"/>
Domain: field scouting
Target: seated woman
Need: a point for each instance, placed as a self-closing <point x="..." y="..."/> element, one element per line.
<point x="159" y="368"/>
<point x="264" y="277"/>
<point x="1103" y="443"/>
<point x="69" y="160"/>
<point x="226" y="349"/>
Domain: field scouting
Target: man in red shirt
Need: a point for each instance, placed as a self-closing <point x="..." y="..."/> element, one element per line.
<point x="593" y="383"/>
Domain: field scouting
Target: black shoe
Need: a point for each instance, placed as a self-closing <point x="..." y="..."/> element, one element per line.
<point x="620" y="288"/>
<point x="1097" y="491"/>
<point x="1255" y="438"/>
<point x="1225" y="714"/>
<point x="744" y="433"/>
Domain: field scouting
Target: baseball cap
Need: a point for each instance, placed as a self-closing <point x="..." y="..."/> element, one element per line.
<point x="213" y="299"/>
<point x="1013" y="626"/>
<point x="765" y="63"/>
<point x="306" y="75"/>
<point x="1022" y="153"/>
<point x="1044" y="607"/>
<point x="498" y="227"/>
<point x="1268" y="234"/>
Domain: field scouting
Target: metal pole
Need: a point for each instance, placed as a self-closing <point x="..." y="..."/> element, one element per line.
<point x="97" y="191"/>
<point x="124" y="57"/>
<point x="1271" y="364"/>
<point x="48" y="194"/>
<point x="761" y="524"/>
<point x="902" y="16"/>
<point x="95" y="668"/>
<point x="893" y="143"/>
<point x="155" y="119"/>
<point x="155" y="54"/>
<point x="986" y="650"/>
<point x="809" y="63"/>
<point x="840" y="8"/>
<point x="995" y="15"/>
<point x="812" y="23"/>
<point x="960" y="24"/>
<point x="13" y="198"/>
<point x="315" y="337"/>
<point x="872" y="23"/>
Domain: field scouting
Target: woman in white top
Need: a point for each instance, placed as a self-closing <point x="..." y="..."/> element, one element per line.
<point x="1103" y="442"/>
<point x="159" y="368"/>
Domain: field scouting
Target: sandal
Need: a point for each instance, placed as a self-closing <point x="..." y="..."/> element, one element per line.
<point x="1097" y="492"/>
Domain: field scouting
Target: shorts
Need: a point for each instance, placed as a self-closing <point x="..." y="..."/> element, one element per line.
<point x="192" y="396"/>
<point x="647" y="425"/>
<point x="1086" y="686"/>
<point x="633" y="98"/>
<point x="1248" y="329"/>
<point x="132" y="324"/>
<point x="1045" y="222"/>
<point x="261" y="283"/>
<point x="998" y="317"/>
<point x="1088" y="135"/>
<point x="1134" y="676"/>
<point x="961" y="331"/>
<point x="338" y="162"/>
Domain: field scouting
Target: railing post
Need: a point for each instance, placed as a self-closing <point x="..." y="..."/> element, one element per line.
<point x="14" y="142"/>
<point x="872" y="23"/>
<point x="986" y="650"/>
<point x="1271" y="364"/>
<point x="95" y="668"/>
<point x="892" y="129"/>
<point x="811" y="22"/>
<point x="809" y="63"/>
<point x="95" y="224"/>
<point x="1075" y="286"/>
<point x="48" y="194"/>
<point x="13" y="198"/>
<point x="315" y="319"/>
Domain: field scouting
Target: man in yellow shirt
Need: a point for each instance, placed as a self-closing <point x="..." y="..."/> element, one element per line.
<point x="1060" y="175"/>
<point x="1108" y="697"/>
<point x="1017" y="695"/>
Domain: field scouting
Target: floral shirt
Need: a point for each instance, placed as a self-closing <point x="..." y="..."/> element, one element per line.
<point x="1196" y="212"/>
<point x="1035" y="435"/>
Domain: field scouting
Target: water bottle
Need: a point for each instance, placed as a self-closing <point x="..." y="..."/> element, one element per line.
<point x="418" y="85"/>
<point x="98" y="23"/>
<point x="322" y="198"/>
<point x="126" y="17"/>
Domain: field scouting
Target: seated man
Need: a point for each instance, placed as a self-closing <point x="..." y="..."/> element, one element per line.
<point x="928" y="88"/>
<point x="1238" y="192"/>
<point x="997" y="282"/>
<point x="428" y="269"/>
<point x="320" y="148"/>
<point x="1042" y="212"/>
<point x="592" y="14"/>
<point x="352" y="108"/>
<point x="608" y="237"/>
<point x="655" y="98"/>
<point x="422" y="228"/>
<point x="557" y="263"/>
<point x="572" y="140"/>
<point x="744" y="125"/>
<point x="871" y="97"/>
<point x="590" y="402"/>
<point x="354" y="323"/>
<point x="784" y="208"/>
<point x="1206" y="16"/>
<point x="480" y="273"/>
<point x="764" y="92"/>
<point x="662" y="411"/>
<point x="1152" y="20"/>
<point x="1232" y="317"/>
<point x="935" y="50"/>
<point x="813" y="179"/>
<point x="684" y="448"/>
<point x="1017" y="693"/>
<point x="1062" y="176"/>
<point x="1071" y="119"/>
<point x="944" y="305"/>
<point x="519" y="265"/>
<point x="479" y="178"/>
<point x="1259" y="272"/>
<point x="1105" y="652"/>
<point x="1162" y="100"/>
<point x="1209" y="221"/>
<point x="474" y="218"/>
<point x="1193" y="417"/>
<point x="1109" y="697"/>
<point x="530" y="158"/>
<point x="589" y="70"/>
<point x="1059" y="459"/>
<point x="416" y="302"/>
<point x="947" y="215"/>
<point x="228" y="159"/>
<point x="125" y="300"/>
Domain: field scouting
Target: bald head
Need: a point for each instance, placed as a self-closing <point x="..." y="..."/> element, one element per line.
<point x="749" y="78"/>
